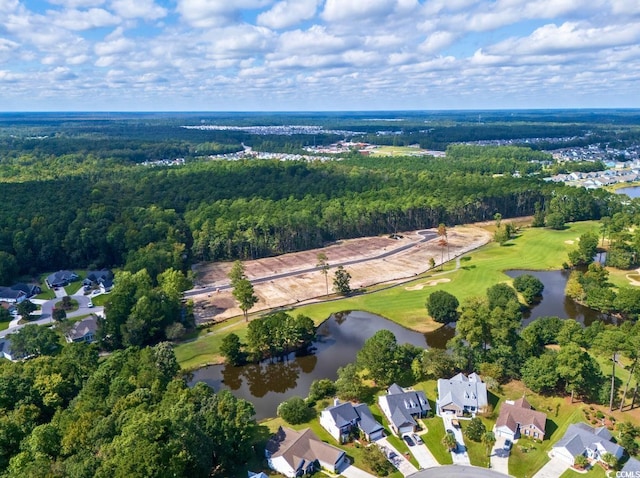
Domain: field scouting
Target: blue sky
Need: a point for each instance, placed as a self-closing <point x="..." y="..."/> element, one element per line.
<point x="271" y="55"/>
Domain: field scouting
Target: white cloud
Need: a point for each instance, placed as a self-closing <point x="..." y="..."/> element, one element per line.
<point x="314" y="40"/>
<point x="77" y="3"/>
<point x="570" y="37"/>
<point x="7" y="45"/>
<point x="437" y="41"/>
<point x="83" y="20"/>
<point x="357" y="11"/>
<point x="145" y="9"/>
<point x="210" y="13"/>
<point x="287" y="13"/>
<point x="114" y="43"/>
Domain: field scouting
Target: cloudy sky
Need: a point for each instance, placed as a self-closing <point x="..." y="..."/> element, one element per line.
<point x="243" y="55"/>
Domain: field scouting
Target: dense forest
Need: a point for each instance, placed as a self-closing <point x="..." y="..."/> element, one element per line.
<point x="127" y="415"/>
<point x="75" y="195"/>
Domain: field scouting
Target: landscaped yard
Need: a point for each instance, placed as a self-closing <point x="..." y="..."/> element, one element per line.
<point x="433" y="440"/>
<point x="595" y="472"/>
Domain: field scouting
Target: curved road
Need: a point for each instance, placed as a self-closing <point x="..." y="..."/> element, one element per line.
<point x="427" y="235"/>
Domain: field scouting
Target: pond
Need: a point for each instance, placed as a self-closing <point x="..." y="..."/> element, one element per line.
<point x="339" y="339"/>
<point x="554" y="302"/>
<point x="632" y="191"/>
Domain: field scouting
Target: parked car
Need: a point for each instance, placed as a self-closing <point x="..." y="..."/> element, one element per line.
<point x="507" y="445"/>
<point x="393" y="455"/>
<point x="408" y="440"/>
<point x="417" y="438"/>
<point x="90" y="304"/>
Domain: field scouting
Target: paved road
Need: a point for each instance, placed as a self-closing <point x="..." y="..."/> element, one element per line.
<point x="46" y="308"/>
<point x="427" y="235"/>
<point x="457" y="471"/>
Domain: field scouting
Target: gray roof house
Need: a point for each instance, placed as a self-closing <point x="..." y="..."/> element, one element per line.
<point x="402" y="407"/>
<point x="102" y="278"/>
<point x="61" y="278"/>
<point x="295" y="453"/>
<point x="342" y="418"/>
<point x="29" y="289"/>
<point x="12" y="296"/>
<point x="83" y="331"/>
<point x="632" y="467"/>
<point x="581" y="439"/>
<point x="461" y="394"/>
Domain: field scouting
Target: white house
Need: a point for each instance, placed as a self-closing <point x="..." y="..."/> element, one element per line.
<point x="581" y="439"/>
<point x="342" y="418"/>
<point x="293" y="453"/>
<point x="461" y="394"/>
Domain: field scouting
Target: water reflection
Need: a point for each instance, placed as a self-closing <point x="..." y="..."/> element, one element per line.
<point x="339" y="340"/>
<point x="554" y="302"/>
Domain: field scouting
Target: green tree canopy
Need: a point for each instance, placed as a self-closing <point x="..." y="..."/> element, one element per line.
<point x="442" y="306"/>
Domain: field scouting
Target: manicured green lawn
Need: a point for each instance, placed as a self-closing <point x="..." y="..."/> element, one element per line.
<point x="534" y="249"/>
<point x="74" y="286"/>
<point x="46" y="294"/>
<point x="100" y="300"/>
<point x="595" y="472"/>
<point x="476" y="450"/>
<point x="204" y="350"/>
<point x="4" y="325"/>
<point x="528" y="456"/>
<point x="433" y="440"/>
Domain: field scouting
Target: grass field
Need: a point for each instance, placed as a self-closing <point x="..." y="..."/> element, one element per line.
<point x="538" y="249"/>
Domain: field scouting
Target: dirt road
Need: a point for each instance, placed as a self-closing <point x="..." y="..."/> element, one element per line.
<point x="294" y="278"/>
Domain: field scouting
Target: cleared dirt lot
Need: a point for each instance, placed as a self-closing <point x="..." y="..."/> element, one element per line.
<point x="309" y="286"/>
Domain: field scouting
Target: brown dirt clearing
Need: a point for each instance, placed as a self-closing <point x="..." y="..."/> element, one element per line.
<point x="310" y="286"/>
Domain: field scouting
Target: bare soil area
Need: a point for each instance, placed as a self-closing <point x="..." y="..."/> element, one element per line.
<point x="310" y="286"/>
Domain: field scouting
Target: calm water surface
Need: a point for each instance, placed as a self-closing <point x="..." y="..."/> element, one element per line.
<point x="340" y="338"/>
<point x="632" y="192"/>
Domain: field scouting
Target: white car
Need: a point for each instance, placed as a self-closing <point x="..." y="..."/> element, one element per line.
<point x="90" y="304"/>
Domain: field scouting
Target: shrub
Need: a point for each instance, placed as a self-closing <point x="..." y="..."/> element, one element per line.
<point x="295" y="411"/>
<point x="475" y="429"/>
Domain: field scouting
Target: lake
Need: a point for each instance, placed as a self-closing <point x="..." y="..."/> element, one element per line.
<point x="339" y="339"/>
<point x="632" y="191"/>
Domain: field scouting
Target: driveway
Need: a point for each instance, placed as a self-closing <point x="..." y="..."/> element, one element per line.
<point x="500" y="457"/>
<point x="553" y="469"/>
<point x="403" y="465"/>
<point x="352" y="472"/>
<point x="424" y="457"/>
<point x="460" y="455"/>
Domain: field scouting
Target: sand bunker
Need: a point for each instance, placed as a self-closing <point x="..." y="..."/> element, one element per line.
<point x="430" y="283"/>
<point x="568" y="241"/>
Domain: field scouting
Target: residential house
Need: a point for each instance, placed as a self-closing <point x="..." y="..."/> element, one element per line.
<point x="6" y="352"/>
<point x="251" y="474"/>
<point x="631" y="467"/>
<point x="29" y="289"/>
<point x="83" y="331"/>
<point x="341" y="419"/>
<point x="12" y="296"/>
<point x="581" y="439"/>
<point x="102" y="278"/>
<point x="292" y="453"/>
<point x="61" y="278"/>
<point x="10" y="307"/>
<point x="402" y="407"/>
<point x="461" y="394"/>
<point x="518" y="418"/>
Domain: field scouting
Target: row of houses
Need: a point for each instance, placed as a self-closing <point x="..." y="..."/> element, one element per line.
<point x="598" y="179"/>
<point x="19" y="292"/>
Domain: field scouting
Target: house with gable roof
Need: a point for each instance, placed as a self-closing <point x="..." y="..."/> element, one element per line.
<point x="83" y="331"/>
<point x="581" y="439"/>
<point x="402" y="407"/>
<point x="102" y="278"/>
<point x="61" y="278"/>
<point x="518" y="418"/>
<point x="11" y="296"/>
<point x="461" y="394"/>
<point x="294" y="453"/>
<point x="342" y="418"/>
